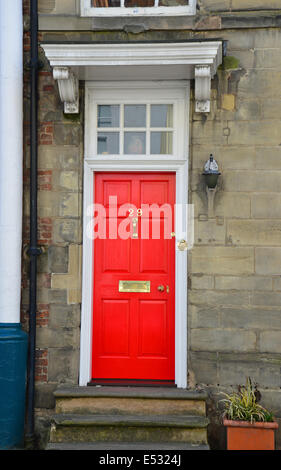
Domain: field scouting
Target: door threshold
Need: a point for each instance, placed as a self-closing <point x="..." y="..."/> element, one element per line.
<point x="132" y="383"/>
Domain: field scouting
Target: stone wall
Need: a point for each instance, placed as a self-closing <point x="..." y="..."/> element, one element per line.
<point x="235" y="293"/>
<point x="234" y="312"/>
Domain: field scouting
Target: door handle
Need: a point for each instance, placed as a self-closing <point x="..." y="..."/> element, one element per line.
<point x="161" y="288"/>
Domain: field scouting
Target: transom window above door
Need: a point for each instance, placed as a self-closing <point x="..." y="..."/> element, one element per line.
<point x="137" y="121"/>
<point x="137" y="7"/>
<point x="135" y="129"/>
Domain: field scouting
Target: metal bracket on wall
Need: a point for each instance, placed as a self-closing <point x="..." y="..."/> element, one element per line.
<point x="68" y="85"/>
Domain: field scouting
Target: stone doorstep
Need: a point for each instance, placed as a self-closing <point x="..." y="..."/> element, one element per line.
<point x="128" y="446"/>
<point x="129" y="401"/>
<point x="130" y="392"/>
<point x="129" y="420"/>
<point x="122" y="428"/>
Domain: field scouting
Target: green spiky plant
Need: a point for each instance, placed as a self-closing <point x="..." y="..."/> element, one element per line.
<point x="243" y="405"/>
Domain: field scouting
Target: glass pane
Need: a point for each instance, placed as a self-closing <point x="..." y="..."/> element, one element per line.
<point x="134" y="143"/>
<point x="108" y="143"/>
<point x="172" y="3"/>
<point x="108" y="115"/>
<point x="139" y="3"/>
<point x="161" y="115"/>
<point x="161" y="143"/>
<point x="135" y="115"/>
<point x="105" y="3"/>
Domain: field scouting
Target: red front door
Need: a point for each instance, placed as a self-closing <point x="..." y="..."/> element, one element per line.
<point x="134" y="322"/>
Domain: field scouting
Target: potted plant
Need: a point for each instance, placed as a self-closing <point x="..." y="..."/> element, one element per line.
<point x="249" y="425"/>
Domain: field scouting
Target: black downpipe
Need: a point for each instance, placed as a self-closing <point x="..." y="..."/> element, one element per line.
<point x="33" y="248"/>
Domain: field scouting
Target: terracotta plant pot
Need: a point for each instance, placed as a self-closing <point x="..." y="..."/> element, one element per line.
<point x="242" y="435"/>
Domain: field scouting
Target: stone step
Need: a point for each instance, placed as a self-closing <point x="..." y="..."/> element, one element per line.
<point x="129" y="400"/>
<point x="127" y="446"/>
<point x="129" y="428"/>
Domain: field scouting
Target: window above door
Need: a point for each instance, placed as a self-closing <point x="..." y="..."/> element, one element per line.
<point x="137" y="7"/>
<point x="135" y="129"/>
<point x="131" y="123"/>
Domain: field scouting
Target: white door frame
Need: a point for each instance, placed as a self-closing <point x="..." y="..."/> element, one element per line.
<point x="180" y="167"/>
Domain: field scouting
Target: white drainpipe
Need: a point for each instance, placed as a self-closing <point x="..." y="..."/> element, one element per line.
<point x="11" y="154"/>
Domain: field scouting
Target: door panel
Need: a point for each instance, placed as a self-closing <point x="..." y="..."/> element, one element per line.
<point x="133" y="332"/>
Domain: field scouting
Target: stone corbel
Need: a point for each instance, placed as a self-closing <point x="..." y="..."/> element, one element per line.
<point x="68" y="89"/>
<point x="202" y="88"/>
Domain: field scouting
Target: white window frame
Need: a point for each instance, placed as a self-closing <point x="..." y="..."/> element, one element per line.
<point x="177" y="164"/>
<point x="87" y="10"/>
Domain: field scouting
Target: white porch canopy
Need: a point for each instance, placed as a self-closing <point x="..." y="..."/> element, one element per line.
<point x="134" y="61"/>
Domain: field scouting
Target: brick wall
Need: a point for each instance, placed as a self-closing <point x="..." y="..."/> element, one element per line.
<point x="59" y="232"/>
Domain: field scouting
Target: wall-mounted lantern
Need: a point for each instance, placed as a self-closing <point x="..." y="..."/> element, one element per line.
<point x="211" y="173"/>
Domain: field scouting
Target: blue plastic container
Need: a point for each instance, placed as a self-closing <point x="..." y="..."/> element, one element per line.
<point x="13" y="362"/>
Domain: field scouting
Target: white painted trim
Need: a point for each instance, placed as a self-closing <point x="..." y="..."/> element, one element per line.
<point x="180" y="167"/>
<point x="87" y="10"/>
<point x="199" y="60"/>
<point x="164" y="53"/>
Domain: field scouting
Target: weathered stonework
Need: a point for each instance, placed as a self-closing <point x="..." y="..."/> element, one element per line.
<point x="234" y="268"/>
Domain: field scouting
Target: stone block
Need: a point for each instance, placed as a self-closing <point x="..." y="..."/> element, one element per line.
<point x="46" y="6"/>
<point x="64" y="316"/>
<point x="58" y="157"/>
<point x="209" y="232"/>
<point x="268" y="260"/>
<point x="57" y="296"/>
<point x="65" y="7"/>
<point x="44" y="395"/>
<point x="259" y="181"/>
<point x="67" y="230"/>
<point x="268" y="58"/>
<point x="255" y="5"/>
<point x="215" y="5"/>
<point x="251" y="283"/>
<point x="270" y="108"/>
<point x="268" y="38"/>
<point x="58" y="259"/>
<point x="47" y="204"/>
<point x="204" y="367"/>
<point x="254" y="232"/>
<point x="266" y="299"/>
<point x="215" y="339"/>
<point x="208" y="131"/>
<point x="63" y="365"/>
<point x="202" y="316"/>
<point x="261" y="132"/>
<point x="72" y="280"/>
<point x="66" y="180"/>
<point x="57" y="337"/>
<point x="257" y="318"/>
<point x="270" y="341"/>
<point x="223" y="260"/>
<point x="268" y="158"/>
<point x="199" y="281"/>
<point x="67" y="134"/>
<point x="240" y="40"/>
<point x="212" y="297"/>
<point x="235" y="372"/>
<point x="277" y="283"/>
<point x="68" y="205"/>
<point x="266" y="205"/>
